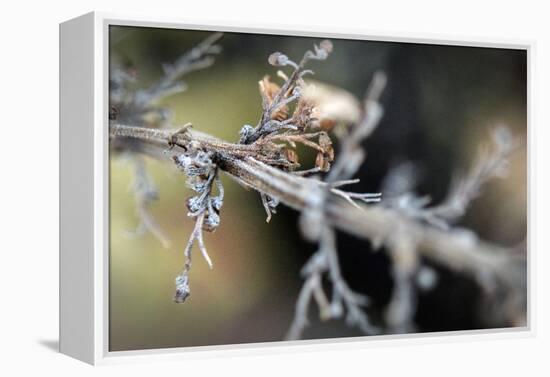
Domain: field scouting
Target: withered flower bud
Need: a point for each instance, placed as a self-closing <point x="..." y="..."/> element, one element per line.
<point x="326" y="45"/>
<point x="278" y="59"/>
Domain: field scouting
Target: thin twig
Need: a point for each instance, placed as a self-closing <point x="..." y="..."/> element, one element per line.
<point x="145" y="194"/>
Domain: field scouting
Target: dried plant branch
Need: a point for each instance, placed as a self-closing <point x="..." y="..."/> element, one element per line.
<point x="401" y="309"/>
<point x="275" y="99"/>
<point x="315" y="226"/>
<point x="352" y="154"/>
<point x="202" y="174"/>
<point x="372" y="223"/>
<point x="492" y="162"/>
<point x="266" y="161"/>
<point x="458" y="250"/>
<point x="199" y="57"/>
<point x="138" y="108"/>
<point x="145" y="194"/>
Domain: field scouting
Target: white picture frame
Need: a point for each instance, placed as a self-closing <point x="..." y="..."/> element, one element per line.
<point x="84" y="197"/>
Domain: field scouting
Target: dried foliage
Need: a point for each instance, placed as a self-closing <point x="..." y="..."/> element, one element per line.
<point x="265" y="159"/>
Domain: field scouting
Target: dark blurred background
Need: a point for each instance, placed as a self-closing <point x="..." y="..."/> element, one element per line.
<point x="440" y="104"/>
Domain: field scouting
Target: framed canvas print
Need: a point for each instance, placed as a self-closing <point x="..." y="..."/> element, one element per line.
<point x="229" y="187"/>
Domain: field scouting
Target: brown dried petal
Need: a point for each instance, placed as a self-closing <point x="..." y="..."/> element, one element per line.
<point x="330" y="153"/>
<point x="269" y="90"/>
<point x="322" y="162"/>
<point x="303" y="115"/>
<point x="208" y="228"/>
<point x="291" y="155"/>
<point x="326" y="144"/>
<point x="326" y="124"/>
<point x="324" y="140"/>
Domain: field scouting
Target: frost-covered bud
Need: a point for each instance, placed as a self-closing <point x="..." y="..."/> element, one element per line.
<point x="211" y="221"/>
<point x="182" y="288"/>
<point x="183" y="161"/>
<point x="278" y="59"/>
<point x="217" y="203"/>
<point x="273" y="202"/>
<point x="192" y="171"/>
<point x="203" y="158"/>
<point x="199" y="185"/>
<point x="426" y="278"/>
<point x="194" y="204"/>
<point x="320" y="53"/>
<point x="326" y="45"/>
<point x="245" y="132"/>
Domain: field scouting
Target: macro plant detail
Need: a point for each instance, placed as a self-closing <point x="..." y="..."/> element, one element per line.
<point x="265" y="158"/>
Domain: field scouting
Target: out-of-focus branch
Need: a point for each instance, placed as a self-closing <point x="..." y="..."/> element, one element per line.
<point x="140" y="108"/>
<point x="146" y="193"/>
<point x="459" y="250"/>
<point x="492" y="161"/>
<point x="199" y="57"/>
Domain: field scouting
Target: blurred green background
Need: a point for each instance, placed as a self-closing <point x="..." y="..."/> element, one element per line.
<point x="440" y="103"/>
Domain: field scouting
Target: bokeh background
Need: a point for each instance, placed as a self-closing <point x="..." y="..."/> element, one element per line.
<point x="441" y="102"/>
